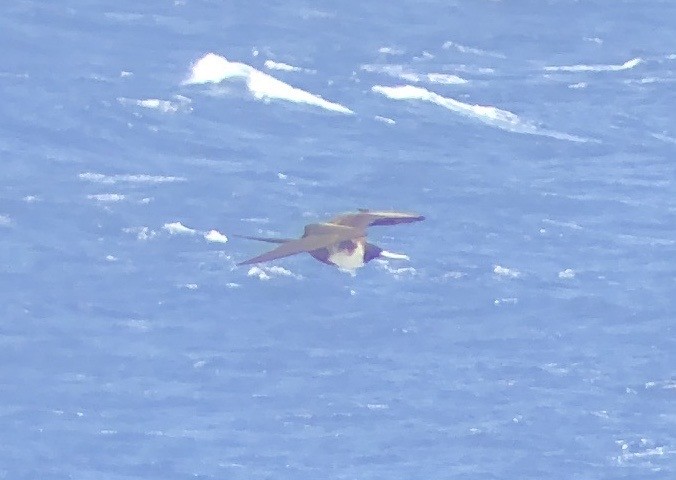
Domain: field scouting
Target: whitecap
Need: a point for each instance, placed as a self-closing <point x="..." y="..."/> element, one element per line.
<point x="213" y="68"/>
<point x="664" y="138"/>
<point x="215" y="236"/>
<point x="508" y="301"/>
<point x="165" y="106"/>
<point x="489" y="115"/>
<point x="285" y="67"/>
<point x="474" y="51"/>
<point x="265" y="272"/>
<point x="557" y="223"/>
<point x="178" y="228"/>
<point x="567" y="274"/>
<point x="403" y="73"/>
<point x="141" y="178"/>
<point x="595" y="40"/>
<point x="445" y="79"/>
<point x="387" y="120"/>
<point x="142" y="233"/>
<point x="396" y="272"/>
<point x="506" y="272"/>
<point x="454" y="275"/>
<point x="595" y="68"/>
<point x="107" y="197"/>
<point x="390" y="51"/>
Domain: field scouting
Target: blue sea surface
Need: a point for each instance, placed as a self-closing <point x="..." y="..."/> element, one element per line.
<point x="529" y="336"/>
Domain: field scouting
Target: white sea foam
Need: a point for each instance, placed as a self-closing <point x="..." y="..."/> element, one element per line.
<point x="212" y="68"/>
<point x="258" y="272"/>
<point x="256" y="220"/>
<point x="487" y="114"/>
<point x="176" y="228"/>
<point x="404" y="73"/>
<point x="506" y="272"/>
<point x="389" y="121"/>
<point x="135" y="324"/>
<point x="647" y="240"/>
<point x="474" y="51"/>
<point x="445" y="79"/>
<point x="424" y="56"/>
<point x="595" y="68"/>
<point x="215" y="236"/>
<point x="180" y="103"/>
<point x="454" y="275"/>
<point x="142" y="178"/>
<point x="13" y="75"/>
<point x="282" y="272"/>
<point x="595" y="40"/>
<point x="567" y="274"/>
<point x="390" y="51"/>
<point x="285" y="67"/>
<point x="397" y="272"/>
<point x="264" y="272"/>
<point x="474" y="70"/>
<point x="665" y="384"/>
<point x="641" y="449"/>
<point x="509" y="301"/>
<point x="664" y="138"/>
<point x="647" y="80"/>
<point x="142" y="233"/>
<point x="557" y="223"/>
<point x="107" y="197"/>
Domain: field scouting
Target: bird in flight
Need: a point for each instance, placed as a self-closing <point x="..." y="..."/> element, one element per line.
<point x="340" y="242"/>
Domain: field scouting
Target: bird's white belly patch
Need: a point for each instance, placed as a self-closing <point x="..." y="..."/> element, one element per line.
<point x="346" y="260"/>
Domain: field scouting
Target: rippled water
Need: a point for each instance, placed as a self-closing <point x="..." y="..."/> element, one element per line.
<point x="530" y="334"/>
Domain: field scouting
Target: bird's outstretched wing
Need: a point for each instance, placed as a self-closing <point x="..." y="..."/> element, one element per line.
<point x="329" y="228"/>
<point x="264" y="239"/>
<point x="330" y="236"/>
<point x="367" y="218"/>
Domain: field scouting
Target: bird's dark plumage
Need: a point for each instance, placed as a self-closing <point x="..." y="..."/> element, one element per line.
<point x="341" y="241"/>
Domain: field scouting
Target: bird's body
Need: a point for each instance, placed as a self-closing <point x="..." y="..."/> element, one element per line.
<point x="341" y="241"/>
<point x="348" y="255"/>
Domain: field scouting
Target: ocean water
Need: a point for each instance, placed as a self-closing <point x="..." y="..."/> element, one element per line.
<point x="529" y="336"/>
